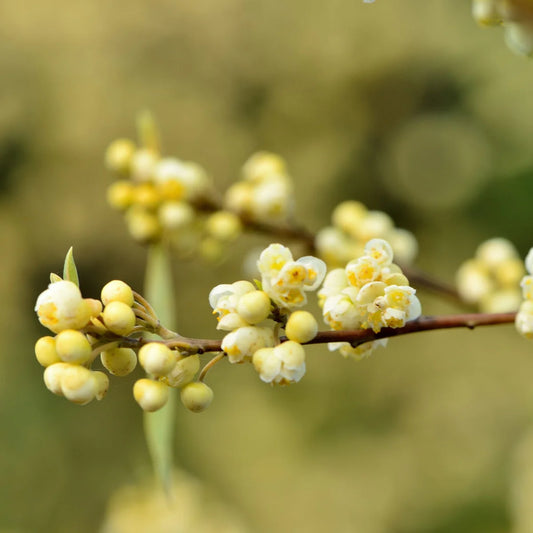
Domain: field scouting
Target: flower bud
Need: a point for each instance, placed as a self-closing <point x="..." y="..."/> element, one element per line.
<point x="196" y="397"/>
<point x="117" y="291"/>
<point x="52" y="377"/>
<point x="143" y="164"/>
<point x="183" y="372"/>
<point x="119" y="318"/>
<point x="45" y="351"/>
<point x="254" y="307"/>
<point x="78" y="384"/>
<point x="143" y="225"/>
<point x="73" y="347"/>
<point x="157" y="358"/>
<point x="150" y="395"/>
<point x="224" y="226"/>
<point x="119" y="361"/>
<point x="301" y="327"/>
<point x="101" y="384"/>
<point x="120" y="194"/>
<point x="119" y="154"/>
<point x="61" y="307"/>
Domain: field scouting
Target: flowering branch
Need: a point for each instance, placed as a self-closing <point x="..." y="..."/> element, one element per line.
<point x="354" y="337"/>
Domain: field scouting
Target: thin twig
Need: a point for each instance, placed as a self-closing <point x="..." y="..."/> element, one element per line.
<point x="354" y="337"/>
<point x="210" y="365"/>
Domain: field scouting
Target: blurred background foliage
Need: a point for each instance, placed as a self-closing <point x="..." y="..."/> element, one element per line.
<point x="406" y="106"/>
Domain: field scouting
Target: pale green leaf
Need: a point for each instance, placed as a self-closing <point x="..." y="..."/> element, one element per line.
<point x="159" y="426"/>
<point x="70" y="272"/>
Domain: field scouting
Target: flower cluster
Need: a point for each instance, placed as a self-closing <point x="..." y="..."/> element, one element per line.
<point x="371" y="292"/>
<point x="265" y="194"/>
<point x="352" y="226"/>
<point x="516" y="16"/>
<point x="524" y="317"/>
<point x="491" y="280"/>
<point x="242" y="310"/>
<point x="111" y="329"/>
<point x="166" y="197"/>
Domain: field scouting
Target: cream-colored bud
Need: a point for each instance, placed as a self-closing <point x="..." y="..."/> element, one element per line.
<point x="486" y="12"/>
<point x="196" y="397"/>
<point x="150" y="395"/>
<point x="120" y="194"/>
<point x="157" y="358"/>
<point x="78" y="384"/>
<point x="45" y="351"/>
<point x="347" y="215"/>
<point x="301" y="327"/>
<point x="118" y="155"/>
<point x="146" y="195"/>
<point x="101" y="384"/>
<point x="119" y="318"/>
<point x="376" y="224"/>
<point x="176" y="215"/>
<point x="95" y="306"/>
<point x="117" y="291"/>
<point x="238" y="197"/>
<point x="529" y="261"/>
<point x="495" y="251"/>
<point x="143" y="164"/>
<point x="73" y="347"/>
<point x="254" y="306"/>
<point x="509" y="272"/>
<point x="183" y="372"/>
<point x="261" y="165"/>
<point x="52" y="377"/>
<point x="224" y="226"/>
<point x="519" y="37"/>
<point x="119" y="361"/>
<point x="61" y="307"/>
<point x="143" y="225"/>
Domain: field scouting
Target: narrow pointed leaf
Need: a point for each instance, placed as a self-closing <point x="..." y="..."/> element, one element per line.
<point x="70" y="272"/>
<point x="159" y="426"/>
<point x="54" y="278"/>
<point x="147" y="131"/>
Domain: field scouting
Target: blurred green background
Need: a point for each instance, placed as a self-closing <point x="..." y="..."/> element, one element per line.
<point x="406" y="106"/>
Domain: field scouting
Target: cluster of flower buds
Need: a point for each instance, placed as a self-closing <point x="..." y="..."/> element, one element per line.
<point x="516" y="16"/>
<point x="243" y="310"/>
<point x="371" y="292"/>
<point x="352" y="226"/>
<point x="165" y="197"/>
<point x="491" y="280"/>
<point x="265" y="194"/>
<point x="111" y="329"/>
<point x="524" y="317"/>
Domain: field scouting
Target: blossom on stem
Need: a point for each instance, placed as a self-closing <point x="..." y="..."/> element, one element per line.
<point x="286" y="281"/>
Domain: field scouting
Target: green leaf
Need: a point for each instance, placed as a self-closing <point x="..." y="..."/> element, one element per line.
<point x="54" y="278"/>
<point x="147" y="131"/>
<point x="70" y="272"/>
<point x="159" y="427"/>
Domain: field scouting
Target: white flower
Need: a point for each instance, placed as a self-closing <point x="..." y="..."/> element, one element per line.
<point x="62" y="307"/>
<point x="524" y="319"/>
<point x="356" y="353"/>
<point x="286" y="280"/>
<point x="379" y="250"/>
<point x="283" y="364"/>
<point x="224" y="299"/>
<point x="363" y="270"/>
<point x="242" y="343"/>
<point x="189" y="175"/>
